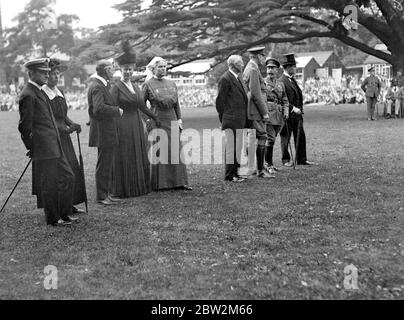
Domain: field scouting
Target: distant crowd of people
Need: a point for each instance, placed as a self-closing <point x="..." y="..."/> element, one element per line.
<point x="326" y="91"/>
<point x="189" y="97"/>
<point x="321" y="91"/>
<point x="196" y="97"/>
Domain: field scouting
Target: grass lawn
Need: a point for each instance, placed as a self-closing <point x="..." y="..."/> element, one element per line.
<point x="290" y="238"/>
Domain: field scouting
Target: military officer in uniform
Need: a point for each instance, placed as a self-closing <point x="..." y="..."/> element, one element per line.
<point x="257" y="108"/>
<point x="371" y="86"/>
<point x="278" y="109"/>
<point x="52" y="176"/>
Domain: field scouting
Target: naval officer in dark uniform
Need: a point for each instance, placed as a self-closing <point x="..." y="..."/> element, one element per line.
<point x="53" y="178"/>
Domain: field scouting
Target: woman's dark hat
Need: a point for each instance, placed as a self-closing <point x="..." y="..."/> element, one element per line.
<point x="55" y="64"/>
<point x="127" y="56"/>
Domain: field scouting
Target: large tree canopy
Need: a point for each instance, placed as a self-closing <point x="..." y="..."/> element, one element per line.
<point x="192" y="29"/>
<point x="38" y="32"/>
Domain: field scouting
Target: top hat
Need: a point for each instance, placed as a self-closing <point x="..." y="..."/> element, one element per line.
<point x="127" y="56"/>
<point x="38" y="64"/>
<point x="256" y="50"/>
<point x="289" y="59"/>
<point x="272" y="62"/>
<point x="55" y="64"/>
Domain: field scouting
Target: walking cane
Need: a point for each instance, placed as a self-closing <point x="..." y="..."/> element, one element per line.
<point x="299" y="124"/>
<point x="15" y="187"/>
<point x="82" y="170"/>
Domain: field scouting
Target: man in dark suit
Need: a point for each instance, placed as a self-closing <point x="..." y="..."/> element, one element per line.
<point x="231" y="105"/>
<point x="103" y="130"/>
<point x="53" y="178"/>
<point x="295" y="122"/>
<point x="257" y="104"/>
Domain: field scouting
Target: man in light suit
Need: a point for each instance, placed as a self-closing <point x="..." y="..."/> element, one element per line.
<point x="103" y="130"/>
<point x="294" y="125"/>
<point x="52" y="176"/>
<point x="257" y="107"/>
<point x="231" y="105"/>
<point x="371" y="86"/>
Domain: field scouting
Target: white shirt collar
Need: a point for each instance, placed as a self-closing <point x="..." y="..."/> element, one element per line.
<point x="233" y="73"/>
<point x="288" y="75"/>
<point x="96" y="76"/>
<point x="34" y="84"/>
<point x="52" y="93"/>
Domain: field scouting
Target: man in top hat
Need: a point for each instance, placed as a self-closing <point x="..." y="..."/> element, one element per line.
<point x="53" y="179"/>
<point x="371" y="86"/>
<point x="257" y="108"/>
<point x="278" y="107"/>
<point x="295" y="122"/>
<point x="103" y="129"/>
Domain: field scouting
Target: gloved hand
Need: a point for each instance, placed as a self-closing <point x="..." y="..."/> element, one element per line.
<point x="71" y="129"/>
<point x="286" y="116"/>
<point x="297" y="111"/>
<point x="77" y="127"/>
<point x="29" y="154"/>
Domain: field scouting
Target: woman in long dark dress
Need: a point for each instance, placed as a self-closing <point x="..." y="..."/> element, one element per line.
<point x="131" y="174"/>
<point x="163" y="97"/>
<point x="65" y="128"/>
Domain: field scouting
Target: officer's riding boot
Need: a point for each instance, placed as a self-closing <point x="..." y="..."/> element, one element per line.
<point x="269" y="152"/>
<point x="260" y="162"/>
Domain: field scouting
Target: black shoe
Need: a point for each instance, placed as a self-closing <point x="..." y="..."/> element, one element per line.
<point x="71" y="219"/>
<point x="265" y="175"/>
<point x="308" y="163"/>
<point x="61" y="223"/>
<point x="236" y="180"/>
<point x="77" y="211"/>
<point x="114" y="199"/>
<point x="107" y="202"/>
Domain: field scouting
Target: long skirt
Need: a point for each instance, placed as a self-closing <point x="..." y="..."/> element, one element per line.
<point x="131" y="173"/>
<point x="171" y="174"/>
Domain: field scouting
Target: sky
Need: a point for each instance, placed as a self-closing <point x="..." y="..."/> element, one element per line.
<point x="92" y="13"/>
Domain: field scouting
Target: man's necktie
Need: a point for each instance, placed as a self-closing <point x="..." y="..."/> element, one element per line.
<point x="241" y="83"/>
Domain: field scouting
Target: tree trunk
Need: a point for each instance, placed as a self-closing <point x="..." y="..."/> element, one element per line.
<point x="398" y="61"/>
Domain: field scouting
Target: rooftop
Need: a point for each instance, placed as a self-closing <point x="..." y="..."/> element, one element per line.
<point x="320" y="56"/>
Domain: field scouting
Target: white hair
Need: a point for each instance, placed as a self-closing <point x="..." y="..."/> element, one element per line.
<point x="151" y="66"/>
<point x="233" y="60"/>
